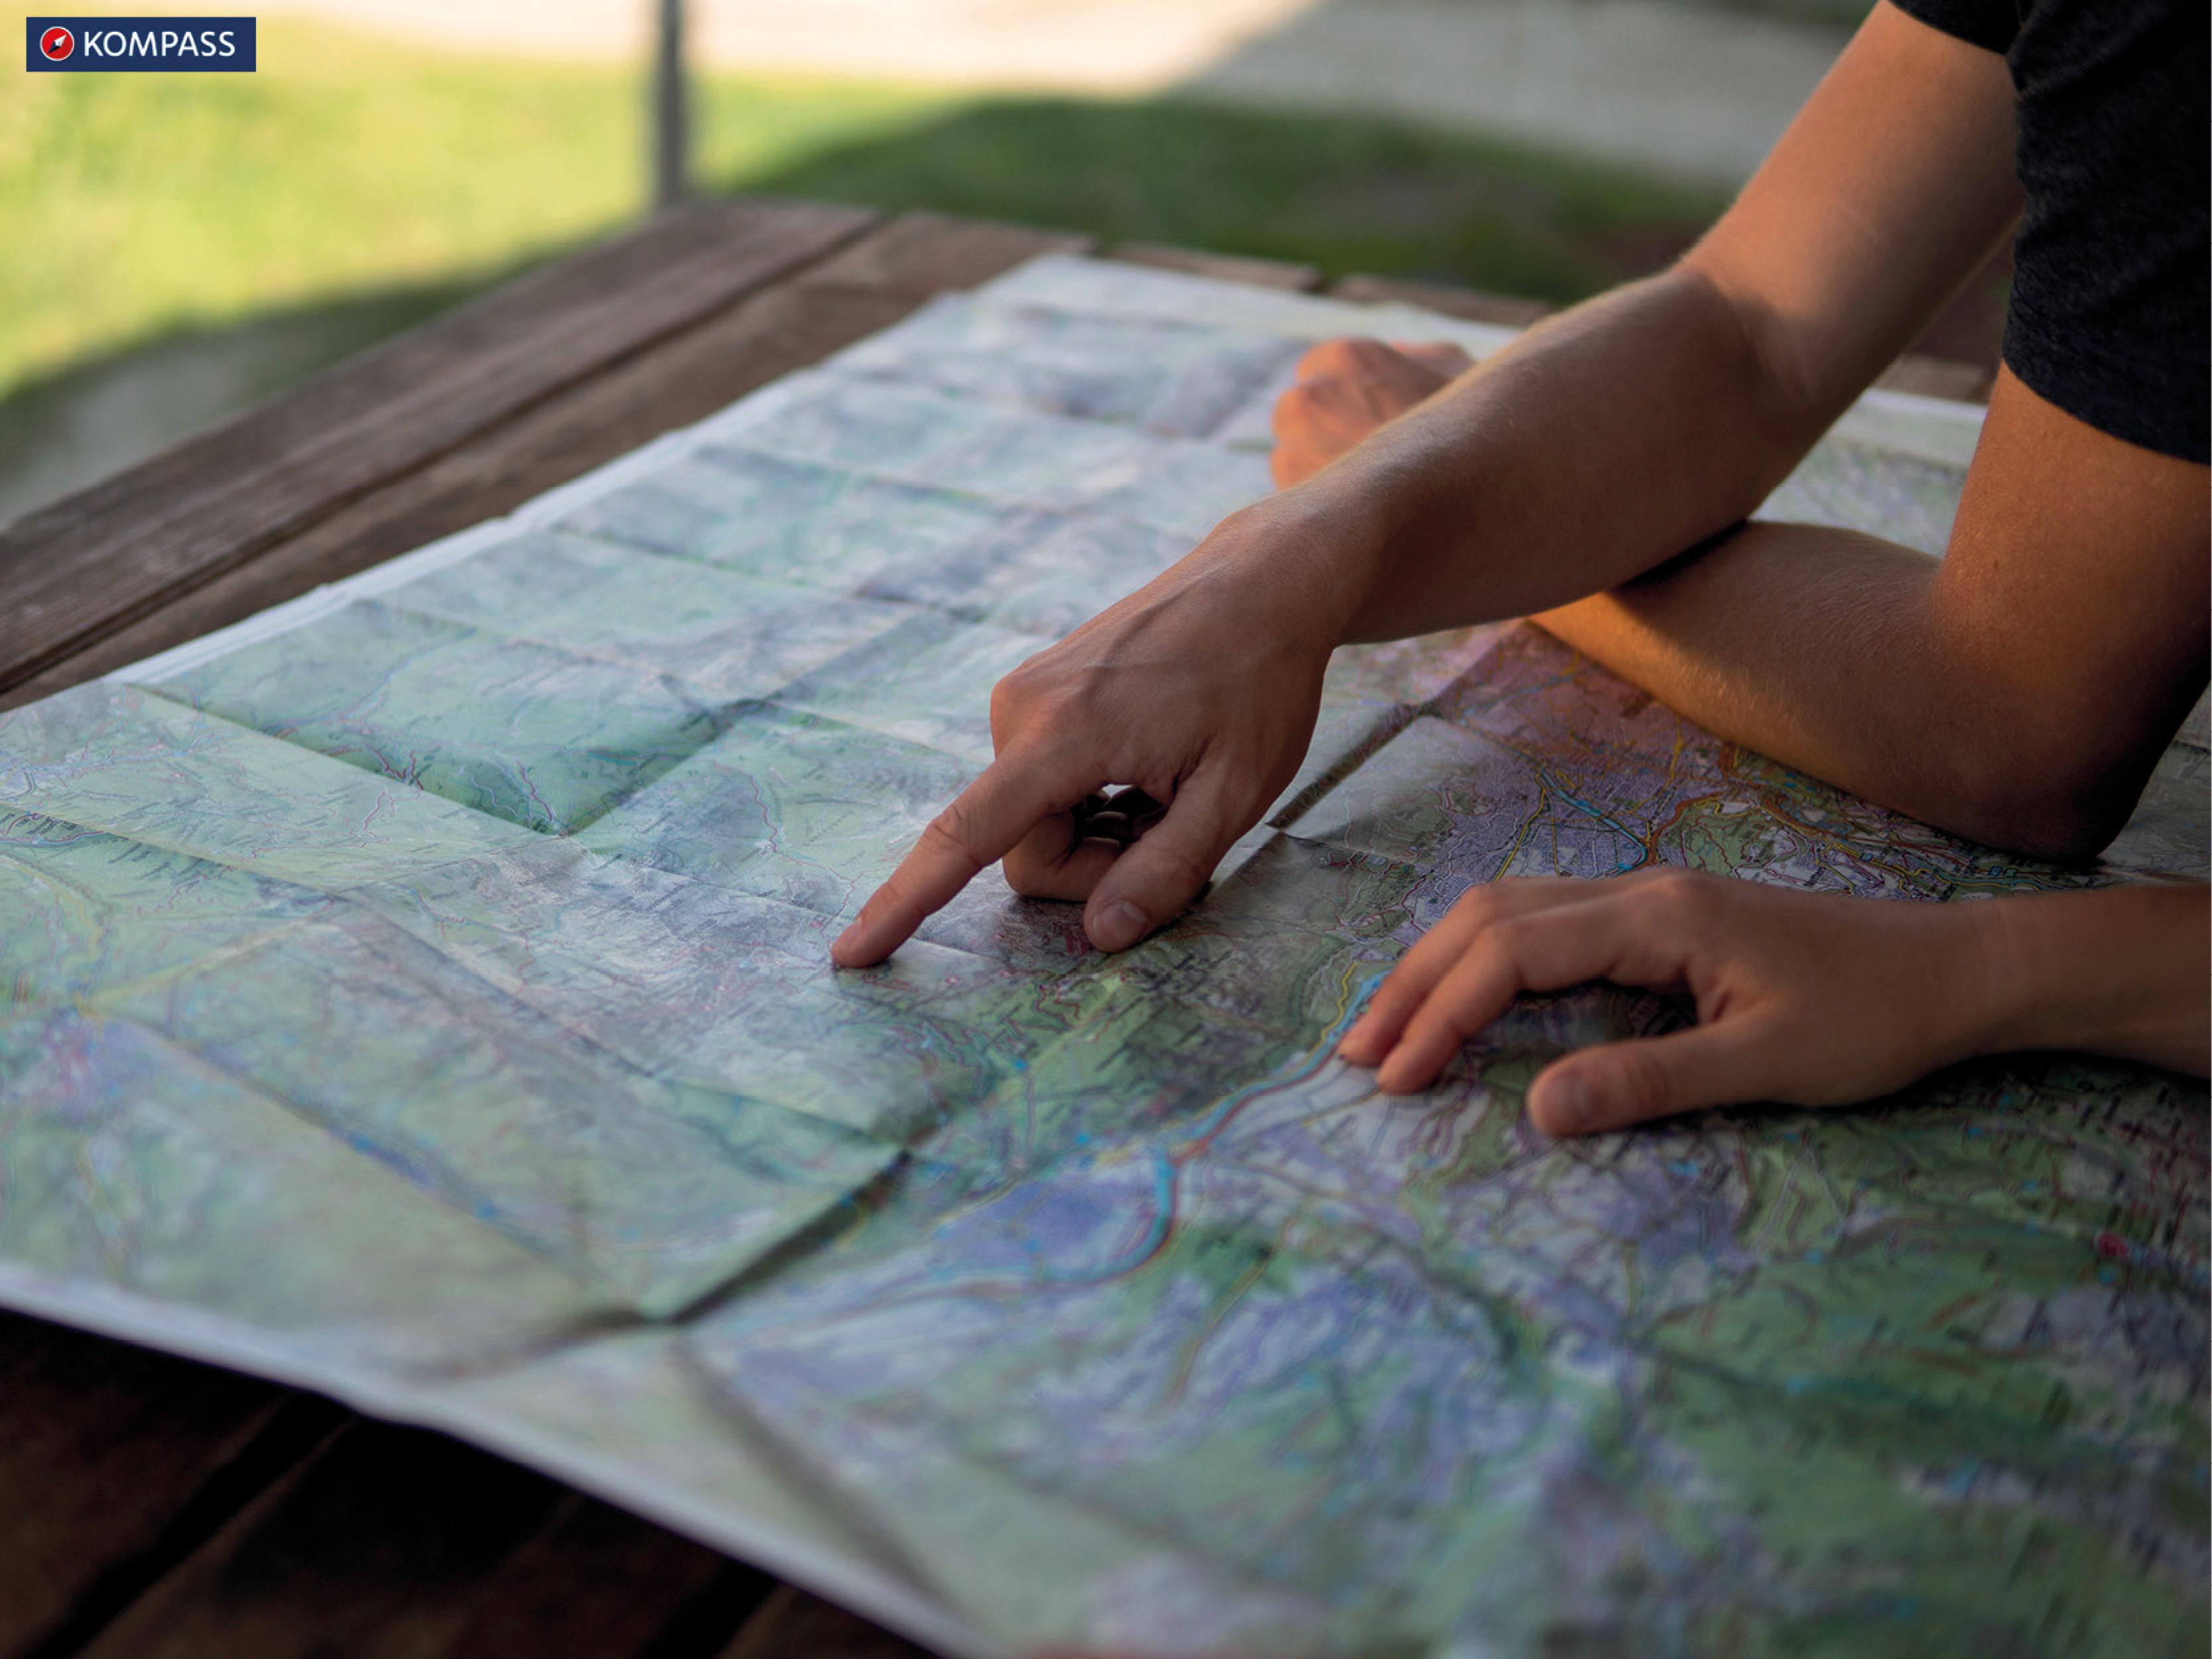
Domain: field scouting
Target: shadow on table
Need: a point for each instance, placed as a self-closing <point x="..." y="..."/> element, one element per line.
<point x="1343" y="192"/>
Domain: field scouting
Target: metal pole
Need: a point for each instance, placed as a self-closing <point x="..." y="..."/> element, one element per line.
<point x="670" y="117"/>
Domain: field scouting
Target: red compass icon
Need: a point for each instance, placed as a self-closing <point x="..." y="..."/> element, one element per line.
<point x="58" y="43"/>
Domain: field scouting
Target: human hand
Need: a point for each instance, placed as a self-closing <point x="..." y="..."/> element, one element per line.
<point x="1805" y="999"/>
<point x="1344" y="390"/>
<point x="1199" y="691"/>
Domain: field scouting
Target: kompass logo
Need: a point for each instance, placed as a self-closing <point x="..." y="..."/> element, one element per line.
<point x="79" y="46"/>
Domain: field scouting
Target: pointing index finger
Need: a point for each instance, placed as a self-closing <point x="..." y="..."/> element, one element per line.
<point x="978" y="828"/>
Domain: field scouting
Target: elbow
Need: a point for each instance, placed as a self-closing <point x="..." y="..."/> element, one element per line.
<point x="2061" y="802"/>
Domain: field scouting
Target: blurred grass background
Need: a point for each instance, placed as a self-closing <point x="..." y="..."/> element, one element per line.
<point x="178" y="246"/>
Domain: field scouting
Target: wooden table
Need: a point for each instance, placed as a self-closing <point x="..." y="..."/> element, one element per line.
<point x="150" y="1506"/>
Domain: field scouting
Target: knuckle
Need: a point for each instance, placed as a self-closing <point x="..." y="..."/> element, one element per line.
<point x="1029" y="881"/>
<point x="1018" y="686"/>
<point x="1671" y="890"/>
<point x="1177" y="866"/>
<point x="956" y="828"/>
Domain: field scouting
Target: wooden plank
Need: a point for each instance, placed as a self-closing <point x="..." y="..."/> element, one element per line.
<point x="399" y="1543"/>
<point x="159" y="529"/>
<point x="1227" y="267"/>
<point x="578" y="1578"/>
<point x="116" y="1463"/>
<point x="1500" y="308"/>
<point x="600" y="1582"/>
<point x="920" y="254"/>
<point x="681" y="379"/>
<point x="793" y="1625"/>
<point x="405" y="1544"/>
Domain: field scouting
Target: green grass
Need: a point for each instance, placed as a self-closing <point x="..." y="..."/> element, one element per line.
<point x="174" y="247"/>
<point x="133" y="205"/>
<point x="1344" y="193"/>
<point x="136" y="205"/>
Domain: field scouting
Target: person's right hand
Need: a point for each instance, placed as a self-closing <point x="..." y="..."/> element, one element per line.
<point x="1201" y="689"/>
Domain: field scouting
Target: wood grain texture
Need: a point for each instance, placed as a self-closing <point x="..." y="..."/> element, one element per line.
<point x="920" y="254"/>
<point x="873" y="282"/>
<point x="793" y="1625"/>
<point x="397" y="1543"/>
<point x="600" y="1583"/>
<point x="681" y="380"/>
<point x="152" y="1451"/>
<point x="116" y="1462"/>
<point x="1226" y="267"/>
<point x="106" y="556"/>
<point x="150" y="1506"/>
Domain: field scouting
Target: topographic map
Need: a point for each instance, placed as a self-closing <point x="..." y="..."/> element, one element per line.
<point x="421" y="993"/>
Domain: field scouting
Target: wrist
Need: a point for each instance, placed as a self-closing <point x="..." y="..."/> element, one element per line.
<point x="1992" y="980"/>
<point x="1317" y="558"/>
<point x="2116" y="971"/>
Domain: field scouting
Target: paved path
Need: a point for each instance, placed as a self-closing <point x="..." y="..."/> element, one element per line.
<point x="1697" y="90"/>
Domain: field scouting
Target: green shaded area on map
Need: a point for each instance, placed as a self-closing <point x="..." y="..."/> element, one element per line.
<point x="425" y="993"/>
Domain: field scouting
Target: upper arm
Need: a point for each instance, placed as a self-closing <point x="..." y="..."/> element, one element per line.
<point x="2071" y="607"/>
<point x="1889" y="189"/>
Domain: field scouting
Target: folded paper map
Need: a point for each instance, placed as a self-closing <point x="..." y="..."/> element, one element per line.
<point x="421" y="993"/>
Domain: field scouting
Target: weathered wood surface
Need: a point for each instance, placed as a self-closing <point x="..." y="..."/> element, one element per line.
<point x="152" y="1506"/>
<point x="392" y="1543"/>
<point x="876" y="279"/>
<point x="116" y="1463"/>
<point x="119" y="550"/>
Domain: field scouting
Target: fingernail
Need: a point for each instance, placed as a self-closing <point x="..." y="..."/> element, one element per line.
<point x="844" y="941"/>
<point x="1120" y="925"/>
<point x="1573" y="1107"/>
<point x="1353" y="1038"/>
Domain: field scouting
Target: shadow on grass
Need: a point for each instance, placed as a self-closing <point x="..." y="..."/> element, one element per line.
<point x="1341" y="193"/>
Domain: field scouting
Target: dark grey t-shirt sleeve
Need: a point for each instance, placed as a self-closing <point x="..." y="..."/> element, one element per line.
<point x="2111" y="276"/>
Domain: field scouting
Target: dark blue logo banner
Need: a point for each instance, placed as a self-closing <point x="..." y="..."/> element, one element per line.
<point x="89" y="45"/>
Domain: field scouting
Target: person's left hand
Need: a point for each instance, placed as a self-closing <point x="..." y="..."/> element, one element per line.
<point x="1344" y="390"/>
<point x="1805" y="999"/>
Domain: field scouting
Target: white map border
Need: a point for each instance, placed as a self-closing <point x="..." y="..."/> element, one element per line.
<point x="1943" y="430"/>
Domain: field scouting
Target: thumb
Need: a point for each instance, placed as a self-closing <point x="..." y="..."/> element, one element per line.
<point x="1617" y="1084"/>
<point x="1157" y="876"/>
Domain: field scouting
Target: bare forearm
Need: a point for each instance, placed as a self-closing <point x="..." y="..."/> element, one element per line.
<point x="2123" y="972"/>
<point x="1810" y="645"/>
<point x="1604" y="442"/>
<point x="1861" y="663"/>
